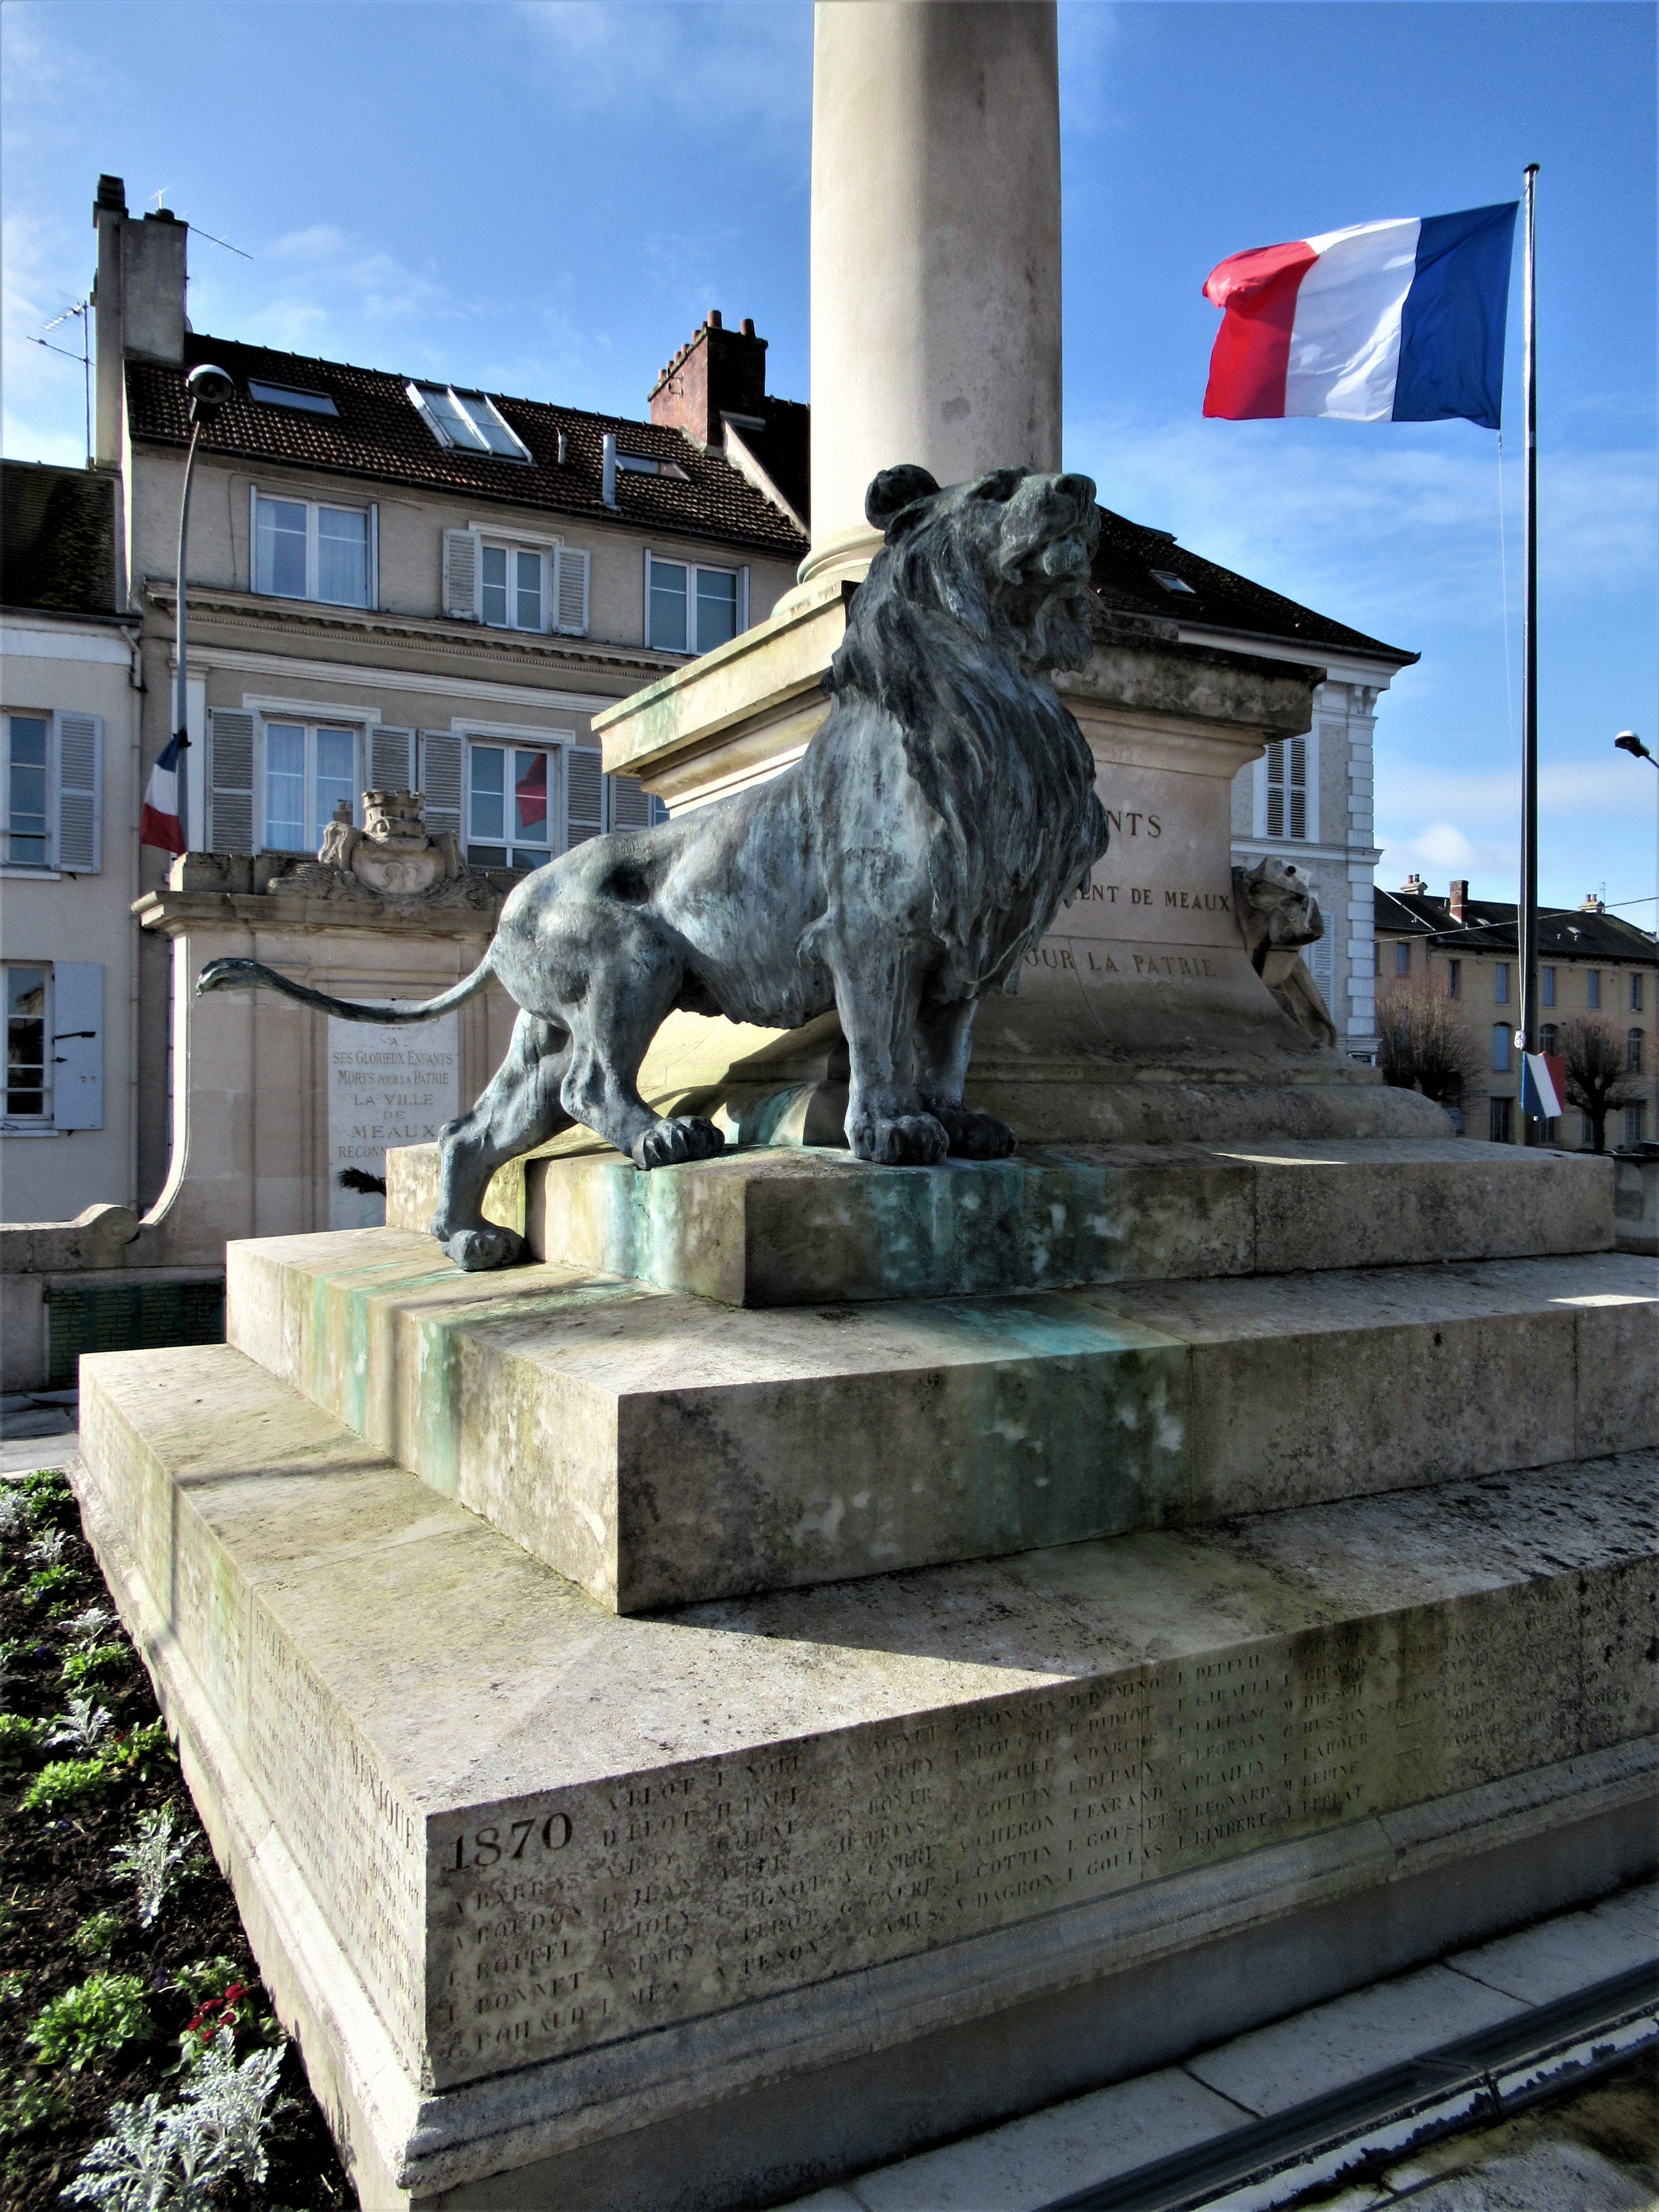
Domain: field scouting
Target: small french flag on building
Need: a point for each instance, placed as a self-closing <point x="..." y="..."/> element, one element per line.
<point x="1383" y="322"/>
<point x="1544" y="1086"/>
<point x="160" y="824"/>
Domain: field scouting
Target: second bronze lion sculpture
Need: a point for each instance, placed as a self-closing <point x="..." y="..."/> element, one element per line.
<point x="905" y="863"/>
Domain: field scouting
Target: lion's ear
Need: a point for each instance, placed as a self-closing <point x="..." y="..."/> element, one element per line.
<point x="895" y="489"/>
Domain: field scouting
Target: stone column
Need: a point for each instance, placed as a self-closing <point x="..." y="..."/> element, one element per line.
<point x="935" y="250"/>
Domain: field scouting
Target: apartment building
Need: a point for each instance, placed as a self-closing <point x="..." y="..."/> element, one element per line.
<point x="397" y="582"/>
<point x="1591" y="964"/>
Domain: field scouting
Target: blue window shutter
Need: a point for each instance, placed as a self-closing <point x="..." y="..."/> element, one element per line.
<point x="77" y="1044"/>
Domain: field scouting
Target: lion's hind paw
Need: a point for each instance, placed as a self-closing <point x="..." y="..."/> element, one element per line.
<point x="683" y="1137"/>
<point x="909" y="1141"/>
<point x="974" y="1136"/>
<point x="476" y="1249"/>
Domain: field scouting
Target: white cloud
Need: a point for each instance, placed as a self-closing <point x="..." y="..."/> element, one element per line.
<point x="45" y="394"/>
<point x="726" y="67"/>
<point x="1379" y="527"/>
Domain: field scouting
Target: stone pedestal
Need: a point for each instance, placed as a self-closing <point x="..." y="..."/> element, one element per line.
<point x="672" y="1751"/>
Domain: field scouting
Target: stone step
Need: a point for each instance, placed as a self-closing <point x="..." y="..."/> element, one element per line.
<point x="659" y="1449"/>
<point x="528" y="1878"/>
<point x="767" y="1226"/>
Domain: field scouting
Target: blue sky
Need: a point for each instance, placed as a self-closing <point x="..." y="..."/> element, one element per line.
<point x="546" y="198"/>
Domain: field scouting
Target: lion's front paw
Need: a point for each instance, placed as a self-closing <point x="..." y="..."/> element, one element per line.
<point x="476" y="1249"/>
<point x="974" y="1136"/>
<point x="686" y="1137"/>
<point x="908" y="1140"/>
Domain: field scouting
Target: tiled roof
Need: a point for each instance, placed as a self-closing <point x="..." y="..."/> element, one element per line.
<point x="59" y="538"/>
<point x="377" y="435"/>
<point x="1489" y="926"/>
<point x="1217" y="599"/>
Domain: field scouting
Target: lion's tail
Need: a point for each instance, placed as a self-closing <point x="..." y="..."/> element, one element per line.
<point x="244" y="974"/>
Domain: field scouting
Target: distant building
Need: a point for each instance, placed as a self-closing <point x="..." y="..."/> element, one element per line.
<point x="70" y="703"/>
<point x="1590" y="964"/>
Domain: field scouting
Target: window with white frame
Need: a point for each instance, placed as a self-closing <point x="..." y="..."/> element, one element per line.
<point x="691" y="608"/>
<point x="466" y="422"/>
<point x="1546" y="984"/>
<point x="50" y="783"/>
<point x="1593" y="990"/>
<point x="304" y="550"/>
<point x="1636" y="1122"/>
<point x="308" y="771"/>
<point x="515" y="584"/>
<point x="28" y="1027"/>
<point x="1636" y="994"/>
<point x="1500" y="983"/>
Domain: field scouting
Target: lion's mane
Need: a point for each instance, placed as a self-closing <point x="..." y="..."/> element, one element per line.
<point x="952" y="633"/>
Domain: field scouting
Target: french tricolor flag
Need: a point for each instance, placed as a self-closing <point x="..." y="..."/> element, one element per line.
<point x="159" y="824"/>
<point x="1383" y="322"/>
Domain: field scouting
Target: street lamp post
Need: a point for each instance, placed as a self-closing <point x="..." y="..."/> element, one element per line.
<point x="1628" y="741"/>
<point x="209" y="389"/>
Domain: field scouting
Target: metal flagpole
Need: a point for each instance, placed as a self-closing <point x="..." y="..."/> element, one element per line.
<point x="1527" y="913"/>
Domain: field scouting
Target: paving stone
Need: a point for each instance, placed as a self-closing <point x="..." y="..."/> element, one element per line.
<point x="1275" y="2068"/>
<point x="1567" y="1953"/>
<point x="1030" y="2162"/>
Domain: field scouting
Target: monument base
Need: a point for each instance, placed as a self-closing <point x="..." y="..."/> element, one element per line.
<point x="708" y="1908"/>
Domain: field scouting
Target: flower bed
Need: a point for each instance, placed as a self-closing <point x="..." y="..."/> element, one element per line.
<point x="140" y="2064"/>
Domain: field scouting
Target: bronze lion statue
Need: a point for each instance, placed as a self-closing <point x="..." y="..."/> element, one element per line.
<point x="905" y="864"/>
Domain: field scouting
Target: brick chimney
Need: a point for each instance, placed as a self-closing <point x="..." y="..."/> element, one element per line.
<point x="1459" y="898"/>
<point x="1415" y="886"/>
<point x="720" y="372"/>
<point x="1591" y="904"/>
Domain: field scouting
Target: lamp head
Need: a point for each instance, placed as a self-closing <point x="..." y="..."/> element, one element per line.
<point x="1628" y="741"/>
<point x="209" y="388"/>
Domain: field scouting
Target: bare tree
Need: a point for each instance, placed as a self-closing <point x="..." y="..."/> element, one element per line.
<point x="1598" y="1074"/>
<point x="1422" y="1045"/>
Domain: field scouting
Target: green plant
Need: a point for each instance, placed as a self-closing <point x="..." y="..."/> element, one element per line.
<point x="63" y="1782"/>
<point x="97" y="1936"/>
<point x="20" y="1740"/>
<point x="91" y="1663"/>
<point x="28" y="2105"/>
<point x="98" y="2015"/>
<point x="13" y="1983"/>
<point x="135" y="1751"/>
<point x="50" y="1581"/>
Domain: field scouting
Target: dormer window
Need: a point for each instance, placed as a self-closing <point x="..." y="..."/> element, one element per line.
<point x="466" y="421"/>
<point x="290" y="395"/>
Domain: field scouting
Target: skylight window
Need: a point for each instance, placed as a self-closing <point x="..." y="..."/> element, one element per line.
<point x="466" y="421"/>
<point x="290" y="395"/>
<point x="641" y="466"/>
<point x="1171" y="582"/>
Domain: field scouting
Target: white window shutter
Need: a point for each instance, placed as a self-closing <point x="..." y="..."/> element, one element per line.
<point x="440" y="780"/>
<point x="463" y="562"/>
<point x="630" y="807"/>
<point x="373" y="556"/>
<point x="80" y="824"/>
<point x="571" y="589"/>
<point x="230" y="779"/>
<point x="77" y="1044"/>
<point x="390" y="759"/>
<point x="1298" y="787"/>
<point x="584" y="795"/>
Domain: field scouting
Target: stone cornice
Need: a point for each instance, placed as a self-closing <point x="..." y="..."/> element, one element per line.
<point x="311" y="623"/>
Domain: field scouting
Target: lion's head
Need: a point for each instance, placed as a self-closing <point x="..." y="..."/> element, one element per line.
<point x="1007" y="555"/>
